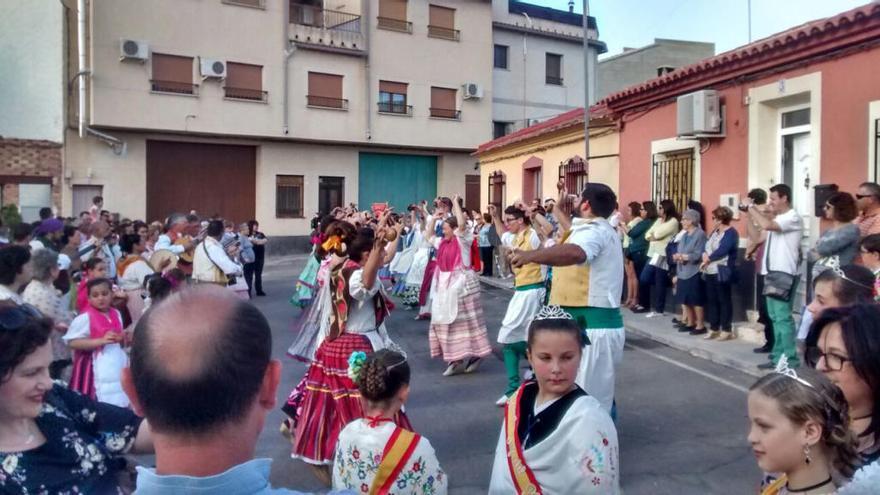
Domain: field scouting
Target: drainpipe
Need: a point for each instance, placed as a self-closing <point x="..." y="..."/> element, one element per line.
<point x="367" y="85"/>
<point x="525" y="70"/>
<point x="289" y="50"/>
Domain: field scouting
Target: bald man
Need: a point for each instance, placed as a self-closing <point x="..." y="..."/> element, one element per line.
<point x="201" y="371"/>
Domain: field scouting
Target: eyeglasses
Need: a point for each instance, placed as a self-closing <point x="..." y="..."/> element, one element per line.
<point x="833" y="362"/>
<point x="13" y="318"/>
<point x="863" y="196"/>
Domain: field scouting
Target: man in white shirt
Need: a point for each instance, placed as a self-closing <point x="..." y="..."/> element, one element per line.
<point x="174" y="228"/>
<point x="210" y="260"/>
<point x="784" y="228"/>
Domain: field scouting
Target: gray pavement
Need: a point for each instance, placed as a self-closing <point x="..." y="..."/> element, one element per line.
<point x="682" y="420"/>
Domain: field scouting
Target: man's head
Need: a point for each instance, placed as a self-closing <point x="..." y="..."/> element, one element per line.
<point x="216" y="375"/>
<point x="868" y="196"/>
<point x="444" y="204"/>
<point x="758" y="196"/>
<point x="597" y="200"/>
<point x="514" y="219"/>
<point x="176" y="223"/>
<point x="45" y="212"/>
<point x="216" y="229"/>
<point x="549" y="204"/>
<point x="780" y="198"/>
<point x="100" y="229"/>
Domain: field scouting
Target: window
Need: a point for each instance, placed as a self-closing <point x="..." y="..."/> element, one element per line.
<point x="392" y="98"/>
<point x="501" y="56"/>
<point x="32" y="197"/>
<point x="441" y="23"/>
<point x="325" y="90"/>
<point x="289" y="196"/>
<point x="443" y="103"/>
<point x="796" y="118"/>
<point x="553" y="69"/>
<point x="259" y="4"/>
<point x="533" y="169"/>
<point x="574" y="173"/>
<point x="392" y="15"/>
<point x="244" y="82"/>
<point x="674" y="177"/>
<point x="496" y="189"/>
<point x="500" y="129"/>
<point x="172" y="74"/>
<point x="664" y="69"/>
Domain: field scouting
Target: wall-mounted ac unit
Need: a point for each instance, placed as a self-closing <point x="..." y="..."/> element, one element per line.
<point x="472" y="91"/>
<point x="212" y="69"/>
<point x="699" y="114"/>
<point x="133" y="50"/>
<point x="531" y="122"/>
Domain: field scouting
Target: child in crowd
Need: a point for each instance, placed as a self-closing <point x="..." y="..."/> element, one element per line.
<point x="373" y="454"/>
<point x="555" y="438"/>
<point x="92" y="269"/>
<point x="799" y="428"/>
<point x="157" y="287"/>
<point x="870" y="248"/>
<point x="97" y="337"/>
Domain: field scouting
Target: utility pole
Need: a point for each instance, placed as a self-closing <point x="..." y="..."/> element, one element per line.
<point x="588" y="61"/>
<point x="749" y="3"/>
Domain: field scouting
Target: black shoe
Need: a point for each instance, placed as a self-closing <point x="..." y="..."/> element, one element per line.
<point x="261" y="294"/>
<point x="676" y="321"/>
<point x="686" y="329"/>
<point x="639" y="309"/>
<point x="698" y="331"/>
<point x="763" y="349"/>
<point x="767" y="366"/>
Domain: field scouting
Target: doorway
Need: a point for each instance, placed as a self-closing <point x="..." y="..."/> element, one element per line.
<point x="796" y="162"/>
<point x="331" y="193"/>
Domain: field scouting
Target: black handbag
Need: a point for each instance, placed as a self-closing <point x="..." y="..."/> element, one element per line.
<point x="777" y="285"/>
<point x="725" y="274"/>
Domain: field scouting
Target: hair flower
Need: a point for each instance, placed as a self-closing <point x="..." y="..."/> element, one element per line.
<point x="356" y="364"/>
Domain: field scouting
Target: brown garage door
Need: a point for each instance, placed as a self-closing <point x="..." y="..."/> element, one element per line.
<point x="209" y="178"/>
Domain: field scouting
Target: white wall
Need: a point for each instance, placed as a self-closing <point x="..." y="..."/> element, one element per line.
<point x="31" y="69"/>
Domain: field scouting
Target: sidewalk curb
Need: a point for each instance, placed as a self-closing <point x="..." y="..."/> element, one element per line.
<point x="747" y="367"/>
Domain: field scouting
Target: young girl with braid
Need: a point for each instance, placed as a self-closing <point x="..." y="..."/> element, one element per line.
<point x="799" y="428"/>
<point x="373" y="454"/>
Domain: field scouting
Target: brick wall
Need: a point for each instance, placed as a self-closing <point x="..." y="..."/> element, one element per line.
<point x="22" y="160"/>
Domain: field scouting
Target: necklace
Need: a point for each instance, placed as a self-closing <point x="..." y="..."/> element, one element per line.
<point x="807" y="488"/>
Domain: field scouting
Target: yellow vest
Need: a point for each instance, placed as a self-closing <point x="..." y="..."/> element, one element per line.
<point x="571" y="284"/>
<point x="531" y="273"/>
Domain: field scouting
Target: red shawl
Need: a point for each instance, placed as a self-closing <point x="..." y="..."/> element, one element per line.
<point x="341" y="299"/>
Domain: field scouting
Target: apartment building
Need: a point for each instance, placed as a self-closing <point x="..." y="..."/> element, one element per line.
<point x="538" y="63"/>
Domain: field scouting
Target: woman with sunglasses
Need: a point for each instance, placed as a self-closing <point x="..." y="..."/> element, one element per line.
<point x="844" y="344"/>
<point x="54" y="440"/>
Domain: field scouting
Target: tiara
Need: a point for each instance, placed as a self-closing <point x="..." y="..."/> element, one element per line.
<point x="553" y="313"/>
<point x="783" y="369"/>
<point x="833" y="264"/>
<point x="393" y="347"/>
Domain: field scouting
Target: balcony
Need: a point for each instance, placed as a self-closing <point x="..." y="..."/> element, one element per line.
<point x="329" y="30"/>
<point x="444" y="33"/>
<point x="553" y="80"/>
<point x="326" y="102"/>
<point x="445" y="113"/>
<point x="394" y="24"/>
<point x="401" y="109"/>
<point x="174" y="87"/>
<point x="245" y="94"/>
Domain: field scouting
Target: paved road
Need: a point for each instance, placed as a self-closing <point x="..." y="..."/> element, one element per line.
<point x="682" y="420"/>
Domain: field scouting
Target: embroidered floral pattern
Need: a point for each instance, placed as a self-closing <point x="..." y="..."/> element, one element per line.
<point x="598" y="462"/>
<point x="356" y="469"/>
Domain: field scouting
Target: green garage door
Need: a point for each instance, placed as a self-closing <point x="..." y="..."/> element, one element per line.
<point x="399" y="179"/>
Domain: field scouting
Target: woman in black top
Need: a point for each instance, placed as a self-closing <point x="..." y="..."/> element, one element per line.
<point x="259" y="240"/>
<point x="53" y="439"/>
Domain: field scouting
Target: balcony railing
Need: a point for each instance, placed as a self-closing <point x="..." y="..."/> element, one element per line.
<point x="395" y="108"/>
<point x="446" y="113"/>
<point x="245" y="94"/>
<point x="326" y="102"/>
<point x="307" y="15"/>
<point x="556" y="81"/>
<point x="174" y="87"/>
<point x="395" y="24"/>
<point x="444" y="33"/>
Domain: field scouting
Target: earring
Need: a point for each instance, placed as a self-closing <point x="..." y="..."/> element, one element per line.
<point x="807" y="458"/>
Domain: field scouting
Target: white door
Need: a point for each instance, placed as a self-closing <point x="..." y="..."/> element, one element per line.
<point x="802" y="183"/>
<point x="32" y="197"/>
<point x="82" y="198"/>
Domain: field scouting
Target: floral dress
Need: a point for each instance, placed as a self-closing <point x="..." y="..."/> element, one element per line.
<point x="84" y="440"/>
<point x="359" y="453"/>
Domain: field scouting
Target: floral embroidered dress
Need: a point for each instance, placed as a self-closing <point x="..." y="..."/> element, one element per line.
<point x="568" y="445"/>
<point x="82" y="453"/>
<point x="359" y="453"/>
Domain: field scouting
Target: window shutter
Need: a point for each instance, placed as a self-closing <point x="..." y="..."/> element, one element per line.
<point x="442" y="17"/>
<point x="443" y="98"/>
<point x="393" y="9"/>
<point x="244" y="76"/>
<point x="172" y="73"/>
<point x="392" y="87"/>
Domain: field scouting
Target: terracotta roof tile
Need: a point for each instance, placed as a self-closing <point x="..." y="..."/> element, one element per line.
<point x="561" y="121"/>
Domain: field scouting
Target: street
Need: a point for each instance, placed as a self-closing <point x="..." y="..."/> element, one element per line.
<point x="682" y="421"/>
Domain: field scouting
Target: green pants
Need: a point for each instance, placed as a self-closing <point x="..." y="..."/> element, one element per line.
<point x="783" y="330"/>
<point x="512" y="354"/>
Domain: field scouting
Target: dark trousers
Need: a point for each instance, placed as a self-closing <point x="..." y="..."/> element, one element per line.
<point x="486" y="259"/>
<point x="763" y="315"/>
<point x="655" y="281"/>
<point x="719" y="304"/>
<point x="249" y="277"/>
<point x="258" y="274"/>
<point x="639" y="261"/>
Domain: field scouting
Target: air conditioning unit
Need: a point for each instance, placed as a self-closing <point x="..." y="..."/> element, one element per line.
<point x="472" y="91"/>
<point x="699" y="114"/>
<point x="531" y="122"/>
<point x="212" y="69"/>
<point x="133" y="50"/>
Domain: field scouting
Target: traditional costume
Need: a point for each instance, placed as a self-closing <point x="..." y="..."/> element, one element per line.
<point x="590" y="292"/>
<point x="312" y="324"/>
<point x="132" y="270"/>
<point x="417" y="273"/>
<point x="458" y="330"/>
<point x="331" y="400"/>
<point x="306" y="284"/>
<point x="403" y="260"/>
<point x="567" y="445"/>
<point x="522" y="308"/>
<point x="97" y="373"/>
<point x="376" y="456"/>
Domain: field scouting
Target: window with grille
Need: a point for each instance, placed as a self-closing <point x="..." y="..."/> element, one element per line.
<point x="289" y="196"/>
<point x="501" y="56"/>
<point x="325" y="90"/>
<point x="553" y="69"/>
<point x="172" y="74"/>
<point x="392" y="98"/>
<point x="497" y="185"/>
<point x="574" y="173"/>
<point x="244" y="82"/>
<point x="443" y="102"/>
<point x="674" y="177"/>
